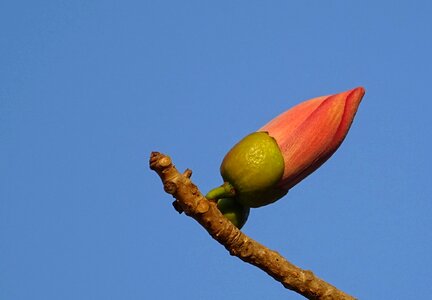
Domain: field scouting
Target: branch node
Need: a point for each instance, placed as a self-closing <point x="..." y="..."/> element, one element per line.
<point x="203" y="206"/>
<point x="165" y="161"/>
<point x="187" y="173"/>
<point x="194" y="189"/>
<point x="170" y="187"/>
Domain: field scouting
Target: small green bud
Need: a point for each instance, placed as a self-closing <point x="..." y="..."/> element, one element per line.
<point x="233" y="211"/>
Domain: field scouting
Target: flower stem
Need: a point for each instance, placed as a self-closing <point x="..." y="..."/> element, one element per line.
<point x="226" y="190"/>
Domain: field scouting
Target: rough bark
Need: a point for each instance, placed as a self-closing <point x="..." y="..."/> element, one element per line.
<point x="190" y="200"/>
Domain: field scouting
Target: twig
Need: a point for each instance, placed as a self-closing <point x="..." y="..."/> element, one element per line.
<point x="190" y="200"/>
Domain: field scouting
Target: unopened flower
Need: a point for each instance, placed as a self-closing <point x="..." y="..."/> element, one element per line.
<point x="264" y="165"/>
<point x="309" y="133"/>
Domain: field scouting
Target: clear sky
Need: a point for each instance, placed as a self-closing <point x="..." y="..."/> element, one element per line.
<point x="89" y="88"/>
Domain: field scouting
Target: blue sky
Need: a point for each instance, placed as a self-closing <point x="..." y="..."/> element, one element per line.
<point x="89" y="88"/>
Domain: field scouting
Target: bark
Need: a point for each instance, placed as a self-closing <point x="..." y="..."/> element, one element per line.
<point x="189" y="199"/>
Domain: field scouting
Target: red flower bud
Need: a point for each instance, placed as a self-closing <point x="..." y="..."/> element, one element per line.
<point x="309" y="133"/>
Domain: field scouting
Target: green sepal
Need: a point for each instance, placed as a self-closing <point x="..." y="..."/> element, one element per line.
<point x="254" y="167"/>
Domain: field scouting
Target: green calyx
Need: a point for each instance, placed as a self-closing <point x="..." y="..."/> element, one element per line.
<point x="251" y="171"/>
<point x="253" y="168"/>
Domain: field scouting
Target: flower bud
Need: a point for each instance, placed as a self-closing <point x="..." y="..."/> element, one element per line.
<point x="264" y="165"/>
<point x="309" y="133"/>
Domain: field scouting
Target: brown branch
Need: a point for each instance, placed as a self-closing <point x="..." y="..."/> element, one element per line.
<point x="190" y="200"/>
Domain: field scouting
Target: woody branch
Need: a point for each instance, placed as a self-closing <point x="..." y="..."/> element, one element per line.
<point x="189" y="199"/>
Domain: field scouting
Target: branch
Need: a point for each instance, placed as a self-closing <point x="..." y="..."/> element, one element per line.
<point x="190" y="200"/>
